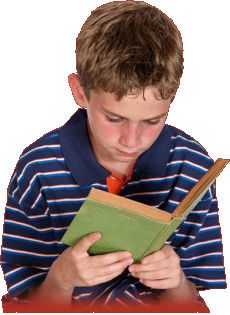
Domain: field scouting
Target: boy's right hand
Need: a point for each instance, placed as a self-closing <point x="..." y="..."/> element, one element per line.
<point x="75" y="268"/>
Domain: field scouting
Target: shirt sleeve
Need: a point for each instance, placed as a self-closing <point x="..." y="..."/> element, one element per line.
<point x="29" y="246"/>
<point x="198" y="242"/>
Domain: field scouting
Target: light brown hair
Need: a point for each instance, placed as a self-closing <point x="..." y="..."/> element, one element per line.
<point x="126" y="46"/>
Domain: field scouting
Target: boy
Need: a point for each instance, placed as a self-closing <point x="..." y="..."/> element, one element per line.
<point x="129" y="63"/>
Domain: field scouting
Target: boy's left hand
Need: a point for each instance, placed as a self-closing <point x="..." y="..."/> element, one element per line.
<point x="160" y="270"/>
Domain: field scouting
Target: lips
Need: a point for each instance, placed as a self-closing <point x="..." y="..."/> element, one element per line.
<point x="127" y="154"/>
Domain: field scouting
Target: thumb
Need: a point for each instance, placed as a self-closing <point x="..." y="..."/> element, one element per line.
<point x="84" y="244"/>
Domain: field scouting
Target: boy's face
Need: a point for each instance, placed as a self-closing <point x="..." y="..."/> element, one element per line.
<point x="120" y="131"/>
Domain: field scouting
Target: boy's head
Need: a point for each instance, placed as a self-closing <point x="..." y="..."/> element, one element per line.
<point x="127" y="46"/>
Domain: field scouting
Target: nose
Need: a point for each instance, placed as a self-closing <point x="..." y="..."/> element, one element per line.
<point x="130" y="135"/>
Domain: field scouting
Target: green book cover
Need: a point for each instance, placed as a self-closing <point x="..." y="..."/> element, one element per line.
<point x="132" y="226"/>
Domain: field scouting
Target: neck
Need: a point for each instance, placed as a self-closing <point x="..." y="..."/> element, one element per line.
<point x="121" y="169"/>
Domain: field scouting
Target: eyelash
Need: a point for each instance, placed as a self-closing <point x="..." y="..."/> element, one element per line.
<point x="153" y="123"/>
<point x="113" y="120"/>
<point x="117" y="120"/>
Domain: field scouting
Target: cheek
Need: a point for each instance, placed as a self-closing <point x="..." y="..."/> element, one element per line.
<point x="99" y="127"/>
<point x="151" y="134"/>
<point x="105" y="134"/>
<point x="109" y="131"/>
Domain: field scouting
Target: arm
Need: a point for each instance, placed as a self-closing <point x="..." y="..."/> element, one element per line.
<point x="75" y="268"/>
<point x="162" y="270"/>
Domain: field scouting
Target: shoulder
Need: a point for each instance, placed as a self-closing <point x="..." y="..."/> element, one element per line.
<point x="50" y="144"/>
<point x="42" y="151"/>
<point x="45" y="146"/>
<point x="184" y="147"/>
<point x="180" y="138"/>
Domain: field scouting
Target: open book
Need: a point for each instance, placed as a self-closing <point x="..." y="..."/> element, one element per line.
<point x="130" y="225"/>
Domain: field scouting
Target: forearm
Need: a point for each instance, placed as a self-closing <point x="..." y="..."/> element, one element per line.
<point x="75" y="268"/>
<point x="49" y="293"/>
<point x="185" y="292"/>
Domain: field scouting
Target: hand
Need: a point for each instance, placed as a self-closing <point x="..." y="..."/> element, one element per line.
<point x="75" y="268"/>
<point x="160" y="270"/>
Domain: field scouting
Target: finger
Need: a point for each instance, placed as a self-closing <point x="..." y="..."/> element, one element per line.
<point x="157" y="284"/>
<point x="154" y="275"/>
<point x="115" y="267"/>
<point x="111" y="258"/>
<point x="160" y="255"/>
<point x="86" y="242"/>
<point x="106" y="277"/>
<point x="105" y="273"/>
<point x="150" y="267"/>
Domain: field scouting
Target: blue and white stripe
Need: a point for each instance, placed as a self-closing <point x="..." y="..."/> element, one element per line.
<point x="45" y="193"/>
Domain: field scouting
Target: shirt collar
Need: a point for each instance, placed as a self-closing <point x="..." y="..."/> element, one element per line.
<point x="78" y="153"/>
<point x="154" y="160"/>
<point x="85" y="168"/>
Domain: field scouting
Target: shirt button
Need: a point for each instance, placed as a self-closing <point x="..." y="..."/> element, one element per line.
<point x="112" y="177"/>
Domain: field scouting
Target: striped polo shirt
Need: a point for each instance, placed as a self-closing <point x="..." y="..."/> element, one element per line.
<point x="51" y="181"/>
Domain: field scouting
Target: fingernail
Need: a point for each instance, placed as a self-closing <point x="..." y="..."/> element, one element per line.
<point x="128" y="255"/>
<point x="130" y="261"/>
<point x="97" y="235"/>
<point x="145" y="262"/>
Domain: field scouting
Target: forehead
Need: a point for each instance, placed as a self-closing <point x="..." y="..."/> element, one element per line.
<point x="132" y="106"/>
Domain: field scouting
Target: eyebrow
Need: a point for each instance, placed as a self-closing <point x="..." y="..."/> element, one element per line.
<point x="120" y="116"/>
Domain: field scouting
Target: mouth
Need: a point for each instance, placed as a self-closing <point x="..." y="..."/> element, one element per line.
<point x="126" y="154"/>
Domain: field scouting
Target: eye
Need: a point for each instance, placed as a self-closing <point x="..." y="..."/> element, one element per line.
<point x="152" y="122"/>
<point x="113" y="120"/>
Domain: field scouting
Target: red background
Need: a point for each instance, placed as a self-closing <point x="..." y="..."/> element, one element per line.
<point x="38" y="54"/>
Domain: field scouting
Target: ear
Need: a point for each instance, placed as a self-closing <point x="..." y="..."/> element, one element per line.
<point x="77" y="90"/>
